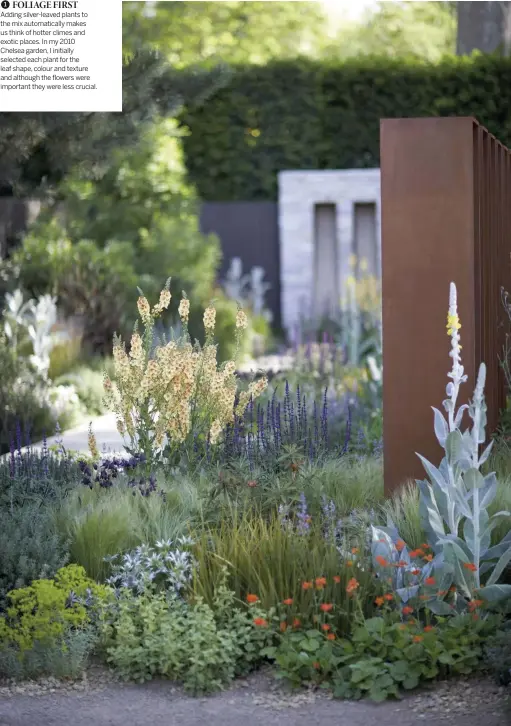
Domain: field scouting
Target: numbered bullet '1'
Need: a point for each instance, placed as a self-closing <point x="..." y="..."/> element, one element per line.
<point x="5" y="4"/>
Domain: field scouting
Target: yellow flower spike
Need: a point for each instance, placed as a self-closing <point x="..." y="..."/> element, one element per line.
<point x="241" y="320"/>
<point x="209" y="318"/>
<point x="184" y="309"/>
<point x="144" y="309"/>
<point x="93" y="446"/>
<point x="453" y="324"/>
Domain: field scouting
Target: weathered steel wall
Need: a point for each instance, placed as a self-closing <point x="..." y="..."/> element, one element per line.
<point x="446" y="216"/>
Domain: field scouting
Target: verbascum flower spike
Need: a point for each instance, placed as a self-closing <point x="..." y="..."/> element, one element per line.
<point x="144" y="309"/>
<point x="164" y="302"/>
<point x="93" y="446"/>
<point x="209" y="318"/>
<point x="241" y="320"/>
<point x="184" y="309"/>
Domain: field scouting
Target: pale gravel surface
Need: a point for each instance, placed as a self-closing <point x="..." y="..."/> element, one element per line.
<point x="99" y="700"/>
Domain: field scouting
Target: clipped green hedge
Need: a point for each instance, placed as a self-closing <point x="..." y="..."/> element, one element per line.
<point x="306" y="114"/>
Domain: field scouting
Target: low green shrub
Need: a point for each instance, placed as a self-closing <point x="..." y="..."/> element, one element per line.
<point x="31" y="548"/>
<point x="44" y="611"/>
<point x="382" y="655"/>
<point x="202" y="646"/>
<point x="66" y="657"/>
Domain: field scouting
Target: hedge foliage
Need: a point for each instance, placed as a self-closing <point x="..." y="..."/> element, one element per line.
<point x="306" y="114"/>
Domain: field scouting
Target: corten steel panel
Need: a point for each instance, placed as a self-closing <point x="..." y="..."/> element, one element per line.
<point x="250" y="231"/>
<point x="446" y="213"/>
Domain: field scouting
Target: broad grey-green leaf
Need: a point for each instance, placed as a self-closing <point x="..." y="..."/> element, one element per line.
<point x="486" y="453"/>
<point x="407" y="593"/>
<point x="434" y="473"/>
<point x="494" y="593"/>
<point x="473" y="479"/>
<point x="459" y="415"/>
<point x="430" y="516"/>
<point x="441" y="428"/>
<point x="439" y="607"/>
<point x="500" y="567"/>
<point x="488" y="490"/>
<point x="454" y="446"/>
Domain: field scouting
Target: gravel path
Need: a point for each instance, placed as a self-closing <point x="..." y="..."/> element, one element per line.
<point x="100" y="701"/>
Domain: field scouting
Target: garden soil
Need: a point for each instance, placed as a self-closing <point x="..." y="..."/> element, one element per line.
<point x="256" y="701"/>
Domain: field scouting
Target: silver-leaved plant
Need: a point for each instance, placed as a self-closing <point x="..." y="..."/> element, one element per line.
<point x="454" y="506"/>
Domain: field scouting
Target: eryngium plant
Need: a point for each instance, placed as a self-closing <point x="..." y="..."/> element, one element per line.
<point x="166" y="566"/>
<point x="171" y="392"/>
<point x="454" y="502"/>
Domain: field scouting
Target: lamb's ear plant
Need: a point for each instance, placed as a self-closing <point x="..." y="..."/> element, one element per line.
<point x="454" y="502"/>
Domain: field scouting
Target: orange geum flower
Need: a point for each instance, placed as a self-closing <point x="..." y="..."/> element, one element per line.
<point x="400" y="545"/>
<point x="261" y="622"/>
<point x="296" y="623"/>
<point x="283" y="626"/>
<point x="417" y="553"/>
<point x="427" y="558"/>
<point x="407" y="610"/>
<point x="470" y="566"/>
<point x="417" y="638"/>
<point x="252" y="598"/>
<point x="325" y="627"/>
<point x="355" y="550"/>
<point x="415" y="572"/>
<point x="401" y="563"/>
<point x="320" y="582"/>
<point x="330" y="636"/>
<point x="379" y="601"/>
<point x="474" y="604"/>
<point x="306" y="585"/>
<point x="352" y="585"/>
<point x="426" y="546"/>
<point x="429" y="581"/>
<point x="336" y="579"/>
<point x="326" y="607"/>
<point x="288" y="601"/>
<point x="381" y="561"/>
<point x="388" y="597"/>
<point x="428" y="628"/>
<point x="349" y="563"/>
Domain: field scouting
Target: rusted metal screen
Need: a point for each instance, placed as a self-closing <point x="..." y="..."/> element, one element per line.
<point x="446" y="216"/>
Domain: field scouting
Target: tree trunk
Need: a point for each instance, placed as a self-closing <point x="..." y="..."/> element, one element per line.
<point x="484" y="26"/>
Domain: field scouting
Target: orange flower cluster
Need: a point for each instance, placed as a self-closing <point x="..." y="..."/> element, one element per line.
<point x="352" y="585"/>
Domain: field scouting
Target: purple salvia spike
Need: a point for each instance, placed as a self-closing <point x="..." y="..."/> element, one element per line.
<point x="324" y="418"/>
<point x="18" y="436"/>
<point x="348" y="433"/>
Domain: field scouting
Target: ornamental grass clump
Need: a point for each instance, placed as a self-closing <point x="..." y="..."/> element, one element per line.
<point x="463" y="568"/>
<point x="168" y="395"/>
